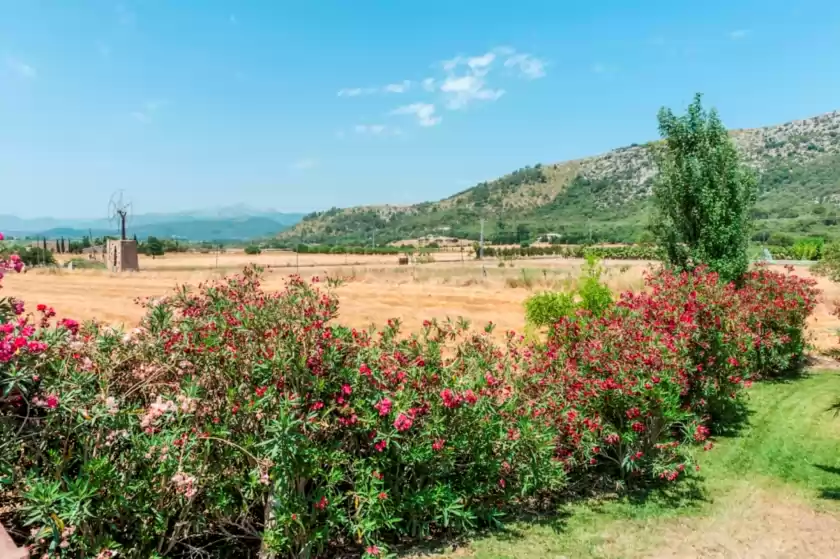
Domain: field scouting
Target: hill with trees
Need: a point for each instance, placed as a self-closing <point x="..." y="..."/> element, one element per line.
<point x="606" y="198"/>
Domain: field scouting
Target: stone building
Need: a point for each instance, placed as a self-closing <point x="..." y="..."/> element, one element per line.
<point x="121" y="256"/>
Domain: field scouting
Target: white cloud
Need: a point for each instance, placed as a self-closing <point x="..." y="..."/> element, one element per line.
<point x="466" y="80"/>
<point x="401" y="87"/>
<point x="739" y="34"/>
<point x="463" y="90"/>
<point x="461" y="81"/>
<point x="483" y="61"/>
<point x="304" y="164"/>
<point x="370" y="128"/>
<point x="528" y="65"/>
<point x="398" y="87"/>
<point x="21" y="68"/>
<point x="424" y="112"/>
<point x="356" y="91"/>
<point x="377" y="130"/>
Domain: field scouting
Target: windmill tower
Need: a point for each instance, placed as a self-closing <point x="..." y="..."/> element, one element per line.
<point x="120" y="254"/>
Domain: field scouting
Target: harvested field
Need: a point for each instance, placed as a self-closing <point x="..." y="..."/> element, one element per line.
<point x="376" y="288"/>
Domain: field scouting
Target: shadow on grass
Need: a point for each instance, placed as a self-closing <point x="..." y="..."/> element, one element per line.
<point x="830" y="493"/>
<point x="641" y="502"/>
<point x="732" y="419"/>
<point x="798" y="370"/>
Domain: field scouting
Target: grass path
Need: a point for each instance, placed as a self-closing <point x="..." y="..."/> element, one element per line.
<point x="773" y="490"/>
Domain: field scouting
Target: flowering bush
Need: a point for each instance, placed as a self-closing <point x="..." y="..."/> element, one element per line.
<point x="237" y="419"/>
<point x="236" y="414"/>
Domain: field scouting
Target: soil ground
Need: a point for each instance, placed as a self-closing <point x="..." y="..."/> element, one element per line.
<point x="375" y="287"/>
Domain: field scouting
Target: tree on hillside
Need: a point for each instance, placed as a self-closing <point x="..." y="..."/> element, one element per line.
<point x="703" y="194"/>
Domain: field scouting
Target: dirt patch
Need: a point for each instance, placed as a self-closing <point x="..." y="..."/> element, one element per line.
<point x="751" y="522"/>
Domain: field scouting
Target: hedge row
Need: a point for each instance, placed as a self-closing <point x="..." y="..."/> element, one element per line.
<point x="235" y="420"/>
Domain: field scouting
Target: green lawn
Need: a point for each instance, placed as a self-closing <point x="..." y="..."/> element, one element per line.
<point x="779" y="474"/>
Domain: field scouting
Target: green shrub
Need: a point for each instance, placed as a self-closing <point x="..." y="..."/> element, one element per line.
<point x="252" y="249"/>
<point x="595" y="297"/>
<point x="547" y="307"/>
<point x="236" y="420"/>
<point x="30" y="255"/>
<point x="829" y="264"/>
<point x="85" y="264"/>
<point x="808" y="249"/>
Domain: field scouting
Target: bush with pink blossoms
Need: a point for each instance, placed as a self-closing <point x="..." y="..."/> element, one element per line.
<point x="242" y="419"/>
<point x="239" y="422"/>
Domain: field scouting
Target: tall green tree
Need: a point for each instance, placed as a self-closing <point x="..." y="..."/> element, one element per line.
<point x="154" y="247"/>
<point x="703" y="194"/>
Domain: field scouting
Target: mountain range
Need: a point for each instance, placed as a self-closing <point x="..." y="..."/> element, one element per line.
<point x="228" y="223"/>
<point x="607" y="197"/>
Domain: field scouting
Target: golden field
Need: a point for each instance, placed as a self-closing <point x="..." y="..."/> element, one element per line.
<point x="375" y="287"/>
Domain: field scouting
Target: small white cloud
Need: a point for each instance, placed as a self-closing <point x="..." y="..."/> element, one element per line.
<point x="21" y="68"/>
<point x="461" y="91"/>
<point x="370" y="128"/>
<point x="527" y="65"/>
<point x="356" y="91"/>
<point x="480" y="62"/>
<point x="739" y="34"/>
<point x="401" y="87"/>
<point x="140" y="116"/>
<point x="232" y="19"/>
<point x="377" y="130"/>
<point x="429" y="84"/>
<point x="424" y="112"/>
<point x="304" y="164"/>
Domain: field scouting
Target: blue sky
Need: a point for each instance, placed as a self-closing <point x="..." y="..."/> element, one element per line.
<point x="298" y="105"/>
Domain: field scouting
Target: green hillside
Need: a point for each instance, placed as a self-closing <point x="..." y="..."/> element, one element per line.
<point x="606" y="198"/>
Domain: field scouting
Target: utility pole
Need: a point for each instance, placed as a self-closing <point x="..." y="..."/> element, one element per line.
<point x="481" y="241"/>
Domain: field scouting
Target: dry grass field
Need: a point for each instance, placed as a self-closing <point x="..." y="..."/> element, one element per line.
<point x="376" y="288"/>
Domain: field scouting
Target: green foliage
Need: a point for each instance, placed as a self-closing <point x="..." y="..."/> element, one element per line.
<point x="31" y="255"/>
<point x="86" y="264"/>
<point x="829" y="265"/>
<point x="252" y="249"/>
<point x="595" y="296"/>
<point x="808" y="249"/>
<point x="252" y="414"/>
<point x="547" y="307"/>
<point x="703" y="195"/>
<point x="153" y="247"/>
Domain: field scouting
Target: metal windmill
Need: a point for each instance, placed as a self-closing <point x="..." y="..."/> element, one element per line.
<point x="118" y="211"/>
